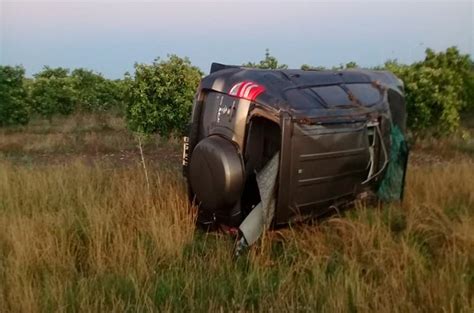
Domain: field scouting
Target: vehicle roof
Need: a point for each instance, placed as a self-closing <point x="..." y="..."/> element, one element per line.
<point x="304" y="90"/>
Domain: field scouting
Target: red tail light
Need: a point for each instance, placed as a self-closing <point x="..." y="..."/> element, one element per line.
<point x="246" y="90"/>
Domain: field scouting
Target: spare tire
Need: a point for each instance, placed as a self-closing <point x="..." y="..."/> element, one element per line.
<point x="216" y="173"/>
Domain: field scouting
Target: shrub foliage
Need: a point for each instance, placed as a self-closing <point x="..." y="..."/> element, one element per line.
<point x="52" y="92"/>
<point x="437" y="89"/>
<point x="269" y="62"/>
<point x="160" y="96"/>
<point x="13" y="96"/>
<point x="93" y="92"/>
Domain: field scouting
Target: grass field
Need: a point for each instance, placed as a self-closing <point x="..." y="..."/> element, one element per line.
<point x="81" y="230"/>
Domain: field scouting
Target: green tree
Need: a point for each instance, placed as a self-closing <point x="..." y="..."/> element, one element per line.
<point x="469" y="89"/>
<point x="160" y="96"/>
<point x="93" y="92"/>
<point x="435" y="89"/>
<point x="53" y="72"/>
<point x="119" y="89"/>
<point x="343" y="66"/>
<point x="307" y="67"/>
<point x="13" y="96"/>
<point x="52" y="92"/>
<point x="269" y="62"/>
<point x="351" y="64"/>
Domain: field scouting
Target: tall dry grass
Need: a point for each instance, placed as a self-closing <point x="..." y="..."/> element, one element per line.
<point x="70" y="232"/>
<point x="80" y="238"/>
<point x="80" y="232"/>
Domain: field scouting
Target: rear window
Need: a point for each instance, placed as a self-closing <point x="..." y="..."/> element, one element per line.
<point x="333" y="95"/>
<point x="365" y="93"/>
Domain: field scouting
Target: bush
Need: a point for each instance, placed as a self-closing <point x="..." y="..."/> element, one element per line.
<point x="159" y="98"/>
<point x="120" y="89"/>
<point x="436" y="90"/>
<point x="469" y="89"/>
<point x="349" y="65"/>
<point x="13" y="96"/>
<point x="93" y="92"/>
<point x="269" y="62"/>
<point x="52" y="92"/>
<point x="307" y="67"/>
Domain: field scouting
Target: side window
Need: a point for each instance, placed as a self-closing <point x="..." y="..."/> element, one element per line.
<point x="365" y="93"/>
<point x="333" y="96"/>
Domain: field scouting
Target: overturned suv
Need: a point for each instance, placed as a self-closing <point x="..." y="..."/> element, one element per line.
<point x="267" y="147"/>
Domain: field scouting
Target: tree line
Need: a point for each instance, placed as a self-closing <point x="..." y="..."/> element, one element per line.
<point x="55" y="91"/>
<point x="158" y="97"/>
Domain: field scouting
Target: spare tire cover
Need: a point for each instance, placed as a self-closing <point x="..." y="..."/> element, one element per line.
<point x="216" y="173"/>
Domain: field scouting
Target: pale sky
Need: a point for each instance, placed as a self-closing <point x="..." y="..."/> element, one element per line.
<point x="110" y="36"/>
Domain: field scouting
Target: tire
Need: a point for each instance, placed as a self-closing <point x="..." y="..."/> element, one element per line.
<point x="216" y="174"/>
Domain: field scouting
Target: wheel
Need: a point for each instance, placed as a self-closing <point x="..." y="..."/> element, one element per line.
<point x="216" y="174"/>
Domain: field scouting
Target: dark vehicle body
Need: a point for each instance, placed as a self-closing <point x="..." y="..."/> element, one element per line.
<point x="330" y="128"/>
